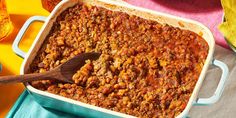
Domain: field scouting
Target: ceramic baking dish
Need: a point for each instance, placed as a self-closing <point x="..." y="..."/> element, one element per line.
<point x="81" y="109"/>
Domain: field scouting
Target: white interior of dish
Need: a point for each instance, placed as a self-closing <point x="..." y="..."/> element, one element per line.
<point x="124" y="7"/>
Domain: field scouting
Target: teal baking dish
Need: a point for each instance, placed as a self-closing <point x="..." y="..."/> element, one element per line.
<point x="85" y="110"/>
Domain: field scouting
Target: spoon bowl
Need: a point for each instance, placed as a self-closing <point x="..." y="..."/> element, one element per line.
<point x="63" y="72"/>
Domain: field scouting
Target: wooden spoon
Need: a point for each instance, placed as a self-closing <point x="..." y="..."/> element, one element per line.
<point x="63" y="72"/>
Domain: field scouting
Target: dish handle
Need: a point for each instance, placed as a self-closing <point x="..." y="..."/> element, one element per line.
<point x="21" y="33"/>
<point x="218" y="92"/>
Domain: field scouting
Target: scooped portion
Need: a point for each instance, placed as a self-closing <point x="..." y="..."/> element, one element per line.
<point x="146" y="69"/>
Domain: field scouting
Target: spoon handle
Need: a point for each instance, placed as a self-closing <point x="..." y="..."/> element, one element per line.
<point x="25" y="77"/>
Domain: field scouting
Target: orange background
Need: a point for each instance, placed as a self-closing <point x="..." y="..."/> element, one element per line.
<point x="20" y="11"/>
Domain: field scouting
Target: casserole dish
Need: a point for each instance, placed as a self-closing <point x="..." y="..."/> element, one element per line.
<point x="78" y="108"/>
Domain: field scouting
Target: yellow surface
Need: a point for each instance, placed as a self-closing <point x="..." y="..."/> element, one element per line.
<point x="20" y="11"/>
<point x="228" y="28"/>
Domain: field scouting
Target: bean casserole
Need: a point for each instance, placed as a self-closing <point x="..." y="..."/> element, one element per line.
<point x="146" y="69"/>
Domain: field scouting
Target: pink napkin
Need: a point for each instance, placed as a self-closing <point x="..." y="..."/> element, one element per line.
<point x="208" y="12"/>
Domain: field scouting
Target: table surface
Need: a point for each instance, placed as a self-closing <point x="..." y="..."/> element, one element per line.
<point x="20" y="11"/>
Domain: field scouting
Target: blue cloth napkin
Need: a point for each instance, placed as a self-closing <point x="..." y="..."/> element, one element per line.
<point x="26" y="107"/>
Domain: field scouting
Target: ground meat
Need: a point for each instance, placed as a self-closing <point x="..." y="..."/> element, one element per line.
<point x="146" y="69"/>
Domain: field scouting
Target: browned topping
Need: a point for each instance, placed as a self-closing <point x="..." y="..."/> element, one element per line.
<point x="146" y="69"/>
<point x="181" y="24"/>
